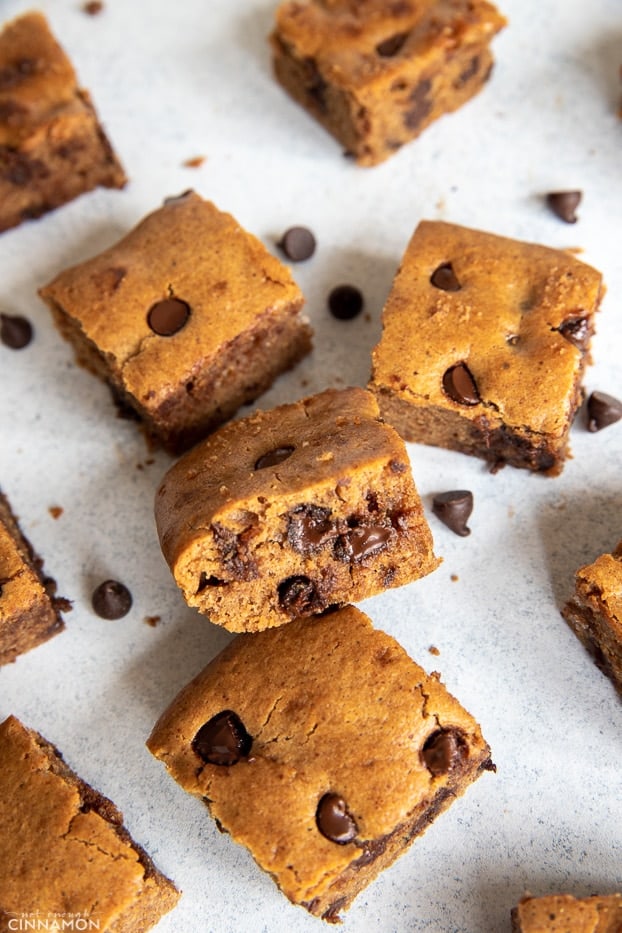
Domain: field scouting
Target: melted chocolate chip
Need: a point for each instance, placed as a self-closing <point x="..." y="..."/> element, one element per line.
<point x="564" y="204"/>
<point x="460" y="385"/>
<point x="602" y="410"/>
<point x="454" y="508"/>
<point x="274" y="457"/>
<point x="298" y="243"/>
<point x="577" y="331"/>
<point x="363" y="541"/>
<point x="298" y="596"/>
<point x="345" y="302"/>
<point x="445" y="278"/>
<point x="15" y="331"/>
<point x="310" y="527"/>
<point x="222" y="740"/>
<point x="168" y="316"/>
<point x="391" y="46"/>
<point x="111" y="600"/>
<point x="334" y="821"/>
<point x="443" y="750"/>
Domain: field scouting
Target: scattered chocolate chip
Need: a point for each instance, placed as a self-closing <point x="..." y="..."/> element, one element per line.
<point x="298" y="243"/>
<point x="454" y="508"/>
<point x="564" y="204"/>
<point x="345" y="302"/>
<point x="15" y="331"/>
<point x="222" y="740"/>
<point x="298" y="595"/>
<point x="391" y="46"/>
<point x="111" y="600"/>
<point x="334" y="821"/>
<point x="274" y="457"/>
<point x="442" y="750"/>
<point x="577" y="331"/>
<point x="602" y="410"/>
<point x="460" y="385"/>
<point x="168" y="316"/>
<point x="445" y="278"/>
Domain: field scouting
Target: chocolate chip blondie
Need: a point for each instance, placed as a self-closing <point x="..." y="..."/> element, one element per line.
<point x="594" y="613"/>
<point x="52" y="145"/>
<point x="187" y="318"/>
<point x="289" y="511"/>
<point x="324" y="749"/>
<point x="65" y="855"/>
<point x="484" y="345"/>
<point x="562" y="913"/>
<point x="376" y="74"/>
<point x="30" y="610"/>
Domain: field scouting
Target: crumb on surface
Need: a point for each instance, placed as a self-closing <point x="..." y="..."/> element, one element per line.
<point x="152" y="620"/>
<point x="93" y="7"/>
<point x="194" y="162"/>
<point x="434" y="650"/>
<point x="454" y="577"/>
<point x="56" y="511"/>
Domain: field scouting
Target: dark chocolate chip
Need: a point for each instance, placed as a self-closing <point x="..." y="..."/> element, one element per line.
<point x="564" y="204"/>
<point x="274" y="457"/>
<point x="345" y="302"/>
<point x="391" y="46"/>
<point x="15" y="331"/>
<point x="334" y="821"/>
<point x="445" y="278"/>
<point x="111" y="600"/>
<point x="168" y="316"/>
<point x="602" y="410"/>
<point x="363" y="541"/>
<point x="222" y="740"/>
<point x="310" y="527"/>
<point x="421" y="105"/>
<point x="443" y="750"/>
<point x="468" y="72"/>
<point x="460" y="385"/>
<point x="577" y="331"/>
<point x="298" y="596"/>
<point x="454" y="508"/>
<point x="298" y="243"/>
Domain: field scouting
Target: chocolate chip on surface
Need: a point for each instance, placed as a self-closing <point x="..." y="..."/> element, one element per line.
<point x="445" y="278"/>
<point x="298" y="243"/>
<point x="564" y="204"/>
<point x="15" y="331"/>
<point x="460" y="385"/>
<point x="168" y="316"/>
<point x="274" y="457"/>
<point x="443" y="750"/>
<point x="602" y="410"/>
<point x="111" y="600"/>
<point x="454" y="508"/>
<point x="334" y="821"/>
<point x="345" y="302"/>
<point x="223" y="739"/>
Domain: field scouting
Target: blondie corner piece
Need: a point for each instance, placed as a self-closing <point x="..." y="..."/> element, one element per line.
<point x="595" y="613"/>
<point x="376" y="74"/>
<point x="64" y="852"/>
<point x="187" y="318"/>
<point x="324" y="749"/>
<point x="562" y="913"/>
<point x="484" y="345"/>
<point x="52" y="146"/>
<point x="30" y="611"/>
<point x="293" y="510"/>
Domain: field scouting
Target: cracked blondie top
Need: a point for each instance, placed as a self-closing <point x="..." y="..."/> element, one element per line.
<point x="63" y="847"/>
<point x="324" y="749"/>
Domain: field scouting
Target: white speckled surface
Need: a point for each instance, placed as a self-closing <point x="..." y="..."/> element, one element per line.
<point x="173" y="81"/>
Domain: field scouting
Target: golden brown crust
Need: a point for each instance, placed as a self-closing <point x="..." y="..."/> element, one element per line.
<point x="506" y="323"/>
<point x="298" y="691"/>
<point x="562" y="913"/>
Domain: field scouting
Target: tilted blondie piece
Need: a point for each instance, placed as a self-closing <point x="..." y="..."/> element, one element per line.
<point x="375" y="74"/>
<point x="64" y="849"/>
<point x="52" y="146"/>
<point x="324" y="749"/>
<point x="484" y="345"/>
<point x="290" y="511"/>
<point x="595" y="612"/>
<point x="562" y="913"/>
<point x="186" y="318"/>
<point x="30" y="611"/>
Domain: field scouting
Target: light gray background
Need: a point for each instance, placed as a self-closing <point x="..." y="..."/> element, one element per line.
<point x="176" y="80"/>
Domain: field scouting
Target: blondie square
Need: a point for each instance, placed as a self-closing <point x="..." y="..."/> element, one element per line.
<point x="30" y="611"/>
<point x="324" y="749"/>
<point x="484" y="345"/>
<point x="562" y="913"/>
<point x="594" y="613"/>
<point x="293" y="510"/>
<point x="375" y="74"/>
<point x="186" y="318"/>
<point x="52" y="146"/>
<point x="65" y="855"/>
